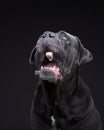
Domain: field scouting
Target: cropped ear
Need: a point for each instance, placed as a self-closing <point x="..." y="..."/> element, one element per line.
<point x="85" y="55"/>
<point x="32" y="56"/>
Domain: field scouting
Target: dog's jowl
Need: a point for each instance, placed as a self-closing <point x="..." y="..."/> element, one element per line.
<point x="61" y="100"/>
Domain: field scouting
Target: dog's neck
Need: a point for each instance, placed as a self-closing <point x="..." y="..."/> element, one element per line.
<point x="68" y="87"/>
<point x="54" y="93"/>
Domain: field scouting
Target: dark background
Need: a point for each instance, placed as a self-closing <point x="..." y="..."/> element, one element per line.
<point x="21" y="23"/>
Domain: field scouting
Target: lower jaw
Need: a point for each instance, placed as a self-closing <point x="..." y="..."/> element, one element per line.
<point x="45" y="73"/>
<point x="54" y="82"/>
<point x="48" y="76"/>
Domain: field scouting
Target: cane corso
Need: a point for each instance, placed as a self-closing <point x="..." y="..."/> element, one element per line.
<point x="61" y="99"/>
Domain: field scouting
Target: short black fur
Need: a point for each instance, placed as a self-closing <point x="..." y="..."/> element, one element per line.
<point x="69" y="100"/>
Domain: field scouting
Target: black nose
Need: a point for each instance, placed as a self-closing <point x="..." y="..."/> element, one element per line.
<point x="48" y="34"/>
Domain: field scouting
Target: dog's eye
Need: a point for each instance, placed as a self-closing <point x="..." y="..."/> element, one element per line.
<point x="66" y="40"/>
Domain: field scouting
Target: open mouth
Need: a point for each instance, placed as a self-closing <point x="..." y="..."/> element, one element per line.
<point x="49" y="66"/>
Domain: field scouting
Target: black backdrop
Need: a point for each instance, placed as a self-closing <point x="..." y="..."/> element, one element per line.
<point x="20" y="25"/>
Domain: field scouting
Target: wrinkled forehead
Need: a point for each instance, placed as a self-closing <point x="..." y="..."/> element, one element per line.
<point x="57" y="37"/>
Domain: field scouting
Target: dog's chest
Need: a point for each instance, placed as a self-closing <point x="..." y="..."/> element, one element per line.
<point x="53" y="120"/>
<point x="53" y="116"/>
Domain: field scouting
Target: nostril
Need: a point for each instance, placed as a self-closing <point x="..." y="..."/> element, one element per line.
<point x="44" y="35"/>
<point x="51" y="35"/>
<point x="48" y="34"/>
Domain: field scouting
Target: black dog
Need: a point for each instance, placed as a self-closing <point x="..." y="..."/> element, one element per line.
<point x="61" y="100"/>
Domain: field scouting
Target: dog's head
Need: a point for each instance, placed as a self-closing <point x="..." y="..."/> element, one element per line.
<point x="57" y="55"/>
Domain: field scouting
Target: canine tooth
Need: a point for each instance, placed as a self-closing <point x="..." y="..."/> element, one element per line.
<point x="41" y="67"/>
<point x="49" y="55"/>
<point x="58" y="69"/>
<point x="54" y="67"/>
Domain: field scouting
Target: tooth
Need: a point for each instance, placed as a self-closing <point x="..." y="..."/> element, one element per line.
<point x="49" y="55"/>
<point x="57" y="69"/>
<point x="41" y="67"/>
<point x="54" y="67"/>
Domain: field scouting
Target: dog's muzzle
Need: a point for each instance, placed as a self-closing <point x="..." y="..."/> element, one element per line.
<point x="49" y="70"/>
